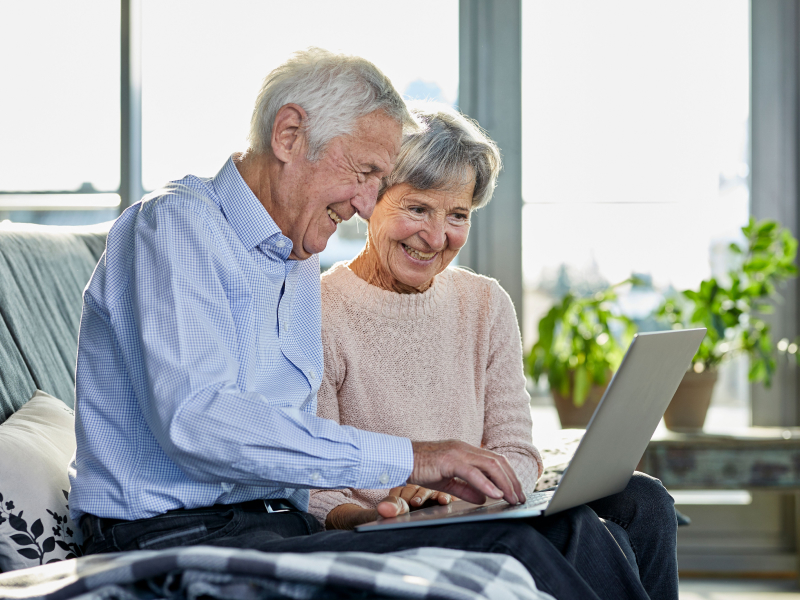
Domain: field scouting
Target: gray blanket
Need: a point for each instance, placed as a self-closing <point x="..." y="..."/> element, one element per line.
<point x="231" y="574"/>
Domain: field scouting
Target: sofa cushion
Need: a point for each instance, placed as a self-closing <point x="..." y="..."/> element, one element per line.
<point x="16" y="383"/>
<point x="36" y="444"/>
<point x="43" y="271"/>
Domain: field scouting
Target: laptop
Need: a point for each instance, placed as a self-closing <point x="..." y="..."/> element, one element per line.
<point x="612" y="446"/>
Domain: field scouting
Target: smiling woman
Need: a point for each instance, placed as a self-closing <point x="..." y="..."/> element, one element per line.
<point x="444" y="171"/>
<point x="415" y="349"/>
<point x="413" y="236"/>
<point x="430" y="352"/>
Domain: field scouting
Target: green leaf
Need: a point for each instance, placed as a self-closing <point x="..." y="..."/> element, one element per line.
<point x="581" y="386"/>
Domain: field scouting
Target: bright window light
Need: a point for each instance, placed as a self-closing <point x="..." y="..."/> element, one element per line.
<point x="59" y="104"/>
<point x="729" y="497"/>
<point x="635" y="145"/>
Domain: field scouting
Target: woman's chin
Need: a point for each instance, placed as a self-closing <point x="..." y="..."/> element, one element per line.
<point x="417" y="283"/>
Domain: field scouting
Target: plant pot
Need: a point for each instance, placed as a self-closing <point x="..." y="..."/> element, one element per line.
<point x="688" y="408"/>
<point x="573" y="417"/>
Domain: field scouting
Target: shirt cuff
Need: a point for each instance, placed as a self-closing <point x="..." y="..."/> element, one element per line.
<point x="386" y="461"/>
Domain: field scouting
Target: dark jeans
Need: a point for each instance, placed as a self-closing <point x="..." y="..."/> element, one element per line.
<point x="570" y="555"/>
<point x="646" y="512"/>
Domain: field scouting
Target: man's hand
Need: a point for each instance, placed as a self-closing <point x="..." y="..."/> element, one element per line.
<point x="465" y="471"/>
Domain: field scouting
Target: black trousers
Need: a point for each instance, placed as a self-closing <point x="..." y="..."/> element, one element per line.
<point x="570" y="555"/>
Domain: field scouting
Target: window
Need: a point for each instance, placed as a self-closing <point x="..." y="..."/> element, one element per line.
<point x="59" y="110"/>
<point x="203" y="63"/>
<point x="635" y="151"/>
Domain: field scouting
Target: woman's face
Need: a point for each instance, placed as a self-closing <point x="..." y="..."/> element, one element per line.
<point x="417" y="233"/>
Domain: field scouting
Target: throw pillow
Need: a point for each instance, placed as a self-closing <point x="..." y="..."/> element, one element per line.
<point x="36" y="445"/>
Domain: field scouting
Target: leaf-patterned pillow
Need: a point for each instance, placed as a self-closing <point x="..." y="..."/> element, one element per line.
<point x="36" y="445"/>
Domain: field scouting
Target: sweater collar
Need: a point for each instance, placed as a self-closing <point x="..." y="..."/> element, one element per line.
<point x="391" y="305"/>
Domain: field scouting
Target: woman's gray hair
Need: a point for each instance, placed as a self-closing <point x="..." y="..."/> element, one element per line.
<point x="335" y="90"/>
<point x="446" y="152"/>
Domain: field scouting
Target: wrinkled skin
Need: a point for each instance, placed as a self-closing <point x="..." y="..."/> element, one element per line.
<point x="406" y="220"/>
<point x="298" y="193"/>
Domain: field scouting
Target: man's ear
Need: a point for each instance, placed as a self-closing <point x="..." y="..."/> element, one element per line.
<point x="288" y="139"/>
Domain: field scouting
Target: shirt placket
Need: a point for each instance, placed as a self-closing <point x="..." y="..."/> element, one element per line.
<point x="289" y="329"/>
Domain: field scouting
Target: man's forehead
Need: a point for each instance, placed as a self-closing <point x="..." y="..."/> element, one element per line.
<point x="378" y="127"/>
<point x="375" y="139"/>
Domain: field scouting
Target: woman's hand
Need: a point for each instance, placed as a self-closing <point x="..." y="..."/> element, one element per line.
<point x="411" y="497"/>
<point x="349" y="516"/>
<point x="399" y="501"/>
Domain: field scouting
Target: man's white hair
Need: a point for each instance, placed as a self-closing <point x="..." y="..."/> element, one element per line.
<point x="335" y="90"/>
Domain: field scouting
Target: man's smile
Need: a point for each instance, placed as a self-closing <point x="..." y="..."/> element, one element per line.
<point x="334" y="217"/>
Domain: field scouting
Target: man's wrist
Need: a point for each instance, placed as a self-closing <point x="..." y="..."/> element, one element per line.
<point x="387" y="461"/>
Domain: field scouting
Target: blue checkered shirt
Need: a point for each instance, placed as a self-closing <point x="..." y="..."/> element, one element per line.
<point x="199" y="361"/>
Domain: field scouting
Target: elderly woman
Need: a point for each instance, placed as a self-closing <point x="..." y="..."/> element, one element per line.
<point x="419" y="350"/>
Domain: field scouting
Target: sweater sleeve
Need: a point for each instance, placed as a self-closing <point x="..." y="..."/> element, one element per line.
<point x="507" y="417"/>
<point x="321" y="502"/>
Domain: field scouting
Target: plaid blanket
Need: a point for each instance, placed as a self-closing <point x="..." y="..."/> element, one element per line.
<point x="232" y="574"/>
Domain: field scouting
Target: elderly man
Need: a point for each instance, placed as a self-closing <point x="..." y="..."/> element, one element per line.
<point x="200" y="358"/>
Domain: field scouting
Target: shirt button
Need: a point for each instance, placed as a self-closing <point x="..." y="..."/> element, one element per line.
<point x="280" y="243"/>
<point x="315" y="476"/>
<point x="311" y="375"/>
<point x="384" y="479"/>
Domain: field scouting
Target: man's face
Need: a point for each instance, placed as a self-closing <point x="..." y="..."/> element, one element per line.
<point x="343" y="182"/>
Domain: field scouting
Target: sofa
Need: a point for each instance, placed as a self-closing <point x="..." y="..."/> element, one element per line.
<point x="43" y="271"/>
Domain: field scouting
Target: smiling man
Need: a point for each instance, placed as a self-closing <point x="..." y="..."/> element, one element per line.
<point x="200" y="353"/>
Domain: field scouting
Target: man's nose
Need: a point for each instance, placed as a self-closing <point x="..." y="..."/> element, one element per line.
<point x="366" y="198"/>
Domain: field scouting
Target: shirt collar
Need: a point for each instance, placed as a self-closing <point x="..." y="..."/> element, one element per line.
<point x="248" y="217"/>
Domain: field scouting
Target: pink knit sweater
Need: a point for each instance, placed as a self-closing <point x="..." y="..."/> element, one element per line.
<point x="444" y="364"/>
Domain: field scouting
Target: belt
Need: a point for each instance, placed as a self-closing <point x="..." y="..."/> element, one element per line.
<point x="270" y="505"/>
<point x="267" y="505"/>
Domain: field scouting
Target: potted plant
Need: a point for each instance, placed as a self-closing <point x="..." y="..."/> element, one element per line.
<point x="581" y="342"/>
<point x="730" y="309"/>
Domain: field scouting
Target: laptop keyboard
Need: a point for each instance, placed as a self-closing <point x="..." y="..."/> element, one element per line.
<point x="534" y="499"/>
<point x="537" y="498"/>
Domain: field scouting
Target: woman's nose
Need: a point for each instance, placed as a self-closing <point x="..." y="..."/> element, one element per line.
<point x="435" y="236"/>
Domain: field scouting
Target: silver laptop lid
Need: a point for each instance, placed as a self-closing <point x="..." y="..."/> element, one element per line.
<point x="627" y="416"/>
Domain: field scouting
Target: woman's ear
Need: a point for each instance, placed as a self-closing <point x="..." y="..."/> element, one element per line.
<point x="288" y="137"/>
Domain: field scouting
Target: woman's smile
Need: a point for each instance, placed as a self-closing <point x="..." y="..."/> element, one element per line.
<point x="414" y="235"/>
<point x="418" y="255"/>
